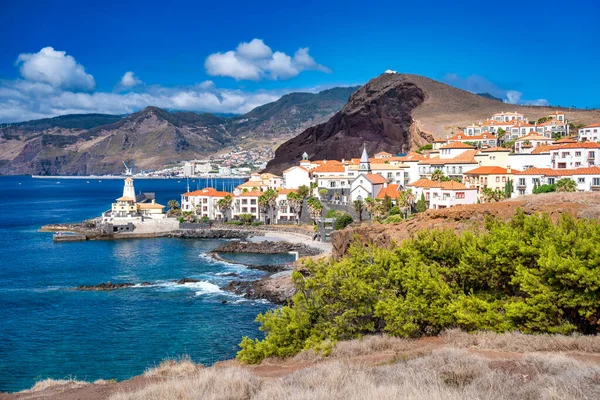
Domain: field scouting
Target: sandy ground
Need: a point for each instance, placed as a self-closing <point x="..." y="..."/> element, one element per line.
<point x="292" y="238"/>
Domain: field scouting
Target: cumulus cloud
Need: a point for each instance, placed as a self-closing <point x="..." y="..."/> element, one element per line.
<point x="21" y="100"/>
<point x="53" y="83"/>
<point x="129" y="80"/>
<point x="480" y="84"/>
<point x="55" y="68"/>
<point x="255" y="60"/>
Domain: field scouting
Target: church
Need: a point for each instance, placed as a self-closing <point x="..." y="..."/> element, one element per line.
<point x="366" y="184"/>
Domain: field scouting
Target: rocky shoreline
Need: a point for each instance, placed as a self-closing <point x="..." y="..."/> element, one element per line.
<point x="267" y="247"/>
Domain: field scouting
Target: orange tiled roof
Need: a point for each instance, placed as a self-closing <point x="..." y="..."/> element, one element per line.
<point x="466" y="157"/>
<point x="330" y="167"/>
<point x="539" y="171"/>
<point x="319" y="162"/>
<point x="210" y="192"/>
<point x="125" y="198"/>
<point x="533" y="136"/>
<point x="565" y="140"/>
<point x="251" y="193"/>
<point x="286" y="191"/>
<point x="495" y="149"/>
<point x="375" y="178"/>
<point x="426" y="183"/>
<point x="150" y="206"/>
<point x="586" y="171"/>
<point x="391" y="191"/>
<point x="597" y="125"/>
<point x="544" y="149"/>
<point x="483" y="136"/>
<point x="457" y="145"/>
<point x="452" y="185"/>
<point x="491" y="170"/>
<point x="578" y="145"/>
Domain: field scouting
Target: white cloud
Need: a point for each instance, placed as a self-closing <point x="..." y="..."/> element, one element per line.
<point x="55" y="68"/>
<point x="255" y="60"/>
<point x="129" y="80"/>
<point x="21" y="100"/>
<point x="480" y="84"/>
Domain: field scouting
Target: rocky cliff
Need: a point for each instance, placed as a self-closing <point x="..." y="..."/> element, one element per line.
<point x="378" y="115"/>
<point x="399" y="112"/>
<point x="97" y="144"/>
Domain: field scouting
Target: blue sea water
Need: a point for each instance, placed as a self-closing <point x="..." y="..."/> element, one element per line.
<point x="49" y="330"/>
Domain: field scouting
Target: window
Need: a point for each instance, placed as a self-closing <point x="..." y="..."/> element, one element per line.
<point x="253" y="201"/>
<point x="522" y="181"/>
<point x="497" y="179"/>
<point x="460" y="195"/>
<point x="577" y="154"/>
<point x="591" y="154"/>
<point x="503" y="179"/>
<point x="595" y="181"/>
<point x="551" y="181"/>
<point x="389" y="175"/>
<point x="332" y="184"/>
<point x="580" y="180"/>
<point x="578" y="164"/>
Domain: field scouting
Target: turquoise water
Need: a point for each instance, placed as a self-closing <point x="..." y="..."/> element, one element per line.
<point x="48" y="330"/>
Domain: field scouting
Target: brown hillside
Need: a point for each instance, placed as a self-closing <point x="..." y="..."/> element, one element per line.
<point x="399" y="112"/>
<point x="459" y="218"/>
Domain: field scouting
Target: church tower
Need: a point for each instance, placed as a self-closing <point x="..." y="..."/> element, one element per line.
<point x="365" y="164"/>
<point x="128" y="190"/>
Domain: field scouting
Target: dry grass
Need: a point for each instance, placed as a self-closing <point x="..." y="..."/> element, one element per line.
<point x="444" y="374"/>
<point x="173" y="368"/>
<point x="518" y="342"/>
<point x="56" y="385"/>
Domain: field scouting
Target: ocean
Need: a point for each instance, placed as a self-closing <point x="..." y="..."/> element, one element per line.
<point x="48" y="330"/>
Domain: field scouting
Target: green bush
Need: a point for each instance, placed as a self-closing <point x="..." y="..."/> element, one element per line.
<point x="393" y="219"/>
<point x="544" y="189"/>
<point x="394" y="211"/>
<point x="236" y="222"/>
<point x="205" y="219"/>
<point x="343" y="221"/>
<point x="333" y="213"/>
<point x="257" y="223"/>
<point x="180" y="219"/>
<point x="528" y="274"/>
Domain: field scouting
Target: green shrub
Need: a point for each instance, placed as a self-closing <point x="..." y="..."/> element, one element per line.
<point x="393" y="219"/>
<point x="528" y="274"/>
<point x="235" y="222"/>
<point x="343" y="221"/>
<point x="544" y="189"/>
<point x="333" y="213"/>
<point x="257" y="223"/>
<point x="205" y="219"/>
<point x="246" y="218"/>
<point x="394" y="211"/>
<point x="180" y="219"/>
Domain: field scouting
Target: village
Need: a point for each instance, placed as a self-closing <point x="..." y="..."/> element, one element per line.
<point x="503" y="157"/>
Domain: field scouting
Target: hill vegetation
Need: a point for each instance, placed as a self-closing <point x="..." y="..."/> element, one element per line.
<point x="528" y="274"/>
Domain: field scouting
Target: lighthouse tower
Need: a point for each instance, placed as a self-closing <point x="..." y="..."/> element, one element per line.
<point x="128" y="190"/>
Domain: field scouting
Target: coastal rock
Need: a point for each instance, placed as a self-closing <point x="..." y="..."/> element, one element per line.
<point x="266" y="247"/>
<point x="212" y="234"/>
<point x="276" y="289"/>
<point x="106" y="286"/>
<point x="183" y="281"/>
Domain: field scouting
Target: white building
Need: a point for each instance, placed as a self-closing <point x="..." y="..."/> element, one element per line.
<point x="440" y="195"/>
<point x="589" y="133"/>
<point x="132" y="208"/>
<point x="295" y="177"/>
<point x="203" y="202"/>
<point x="575" y="155"/>
<point x="527" y="143"/>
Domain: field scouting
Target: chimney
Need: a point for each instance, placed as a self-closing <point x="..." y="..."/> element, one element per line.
<point x="508" y="170"/>
<point x="153" y="201"/>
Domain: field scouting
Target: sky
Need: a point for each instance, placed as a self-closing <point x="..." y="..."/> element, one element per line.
<point x="62" y="57"/>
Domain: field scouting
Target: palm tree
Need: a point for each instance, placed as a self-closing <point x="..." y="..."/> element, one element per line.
<point x="358" y="207"/>
<point x="295" y="202"/>
<point x="369" y="206"/>
<point x="267" y="201"/>
<point x="315" y="206"/>
<point x="174" y="208"/>
<point x="224" y="205"/>
<point x="437" y="175"/>
<point x="566" y="185"/>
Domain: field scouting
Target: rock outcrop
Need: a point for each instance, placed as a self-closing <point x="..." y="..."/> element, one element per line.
<point x="378" y="115"/>
<point x="276" y="288"/>
<point x="266" y="247"/>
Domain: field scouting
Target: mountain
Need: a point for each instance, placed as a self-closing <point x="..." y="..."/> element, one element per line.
<point x="397" y="113"/>
<point x="490" y="96"/>
<point x="98" y="143"/>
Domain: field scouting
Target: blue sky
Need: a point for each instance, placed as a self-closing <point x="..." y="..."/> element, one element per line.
<point x="59" y="57"/>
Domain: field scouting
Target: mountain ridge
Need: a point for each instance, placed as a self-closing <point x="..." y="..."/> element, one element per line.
<point x="80" y="144"/>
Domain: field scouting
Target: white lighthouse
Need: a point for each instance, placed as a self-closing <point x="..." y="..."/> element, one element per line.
<point x="128" y="190"/>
